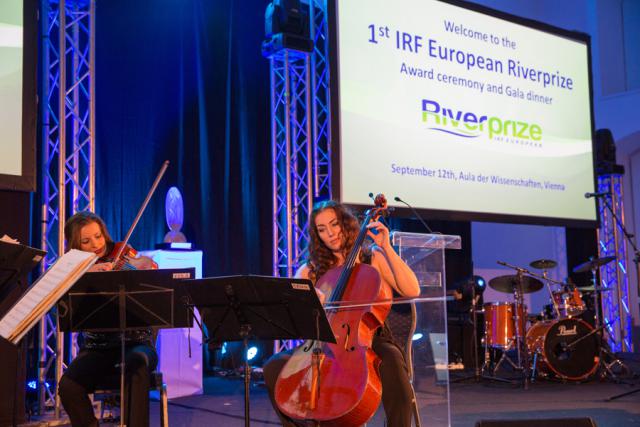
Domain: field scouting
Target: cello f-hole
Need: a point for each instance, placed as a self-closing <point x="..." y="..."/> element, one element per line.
<point x="347" y="337"/>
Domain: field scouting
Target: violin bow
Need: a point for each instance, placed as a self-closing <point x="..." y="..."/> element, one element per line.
<point x="342" y="305"/>
<point x="163" y="169"/>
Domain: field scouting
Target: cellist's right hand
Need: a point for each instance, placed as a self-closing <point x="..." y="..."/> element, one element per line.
<point x="321" y="295"/>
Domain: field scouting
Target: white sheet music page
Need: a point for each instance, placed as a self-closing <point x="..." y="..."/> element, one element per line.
<point x="44" y="293"/>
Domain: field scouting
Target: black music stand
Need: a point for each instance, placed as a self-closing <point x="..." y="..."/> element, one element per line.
<point x="15" y="261"/>
<point x="120" y="301"/>
<point x="237" y="308"/>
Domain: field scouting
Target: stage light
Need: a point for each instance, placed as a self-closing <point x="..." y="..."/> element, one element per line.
<point x="480" y="284"/>
<point x="252" y="352"/>
<point x="33" y="385"/>
<point x="231" y="355"/>
<point x="416" y="336"/>
<point x="286" y="27"/>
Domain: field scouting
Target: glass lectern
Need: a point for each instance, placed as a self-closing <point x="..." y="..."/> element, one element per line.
<point x="425" y="254"/>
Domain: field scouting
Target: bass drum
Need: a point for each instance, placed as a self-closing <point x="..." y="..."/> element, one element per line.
<point x="552" y="341"/>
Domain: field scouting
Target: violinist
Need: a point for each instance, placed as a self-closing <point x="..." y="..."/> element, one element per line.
<point x="332" y="234"/>
<point x="100" y="352"/>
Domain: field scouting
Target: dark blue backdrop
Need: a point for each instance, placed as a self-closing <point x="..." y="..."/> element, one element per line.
<point x="184" y="80"/>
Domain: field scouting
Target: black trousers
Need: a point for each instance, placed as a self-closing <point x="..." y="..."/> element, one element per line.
<point x="397" y="393"/>
<point x="94" y="369"/>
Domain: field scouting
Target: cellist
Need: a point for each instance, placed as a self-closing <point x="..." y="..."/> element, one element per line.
<point x="332" y="233"/>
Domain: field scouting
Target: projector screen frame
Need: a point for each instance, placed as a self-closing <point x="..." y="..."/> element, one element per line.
<point x="451" y="215"/>
<point x="27" y="180"/>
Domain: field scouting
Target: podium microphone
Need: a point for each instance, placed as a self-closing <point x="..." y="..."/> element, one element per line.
<point x="596" y="195"/>
<point x="398" y="199"/>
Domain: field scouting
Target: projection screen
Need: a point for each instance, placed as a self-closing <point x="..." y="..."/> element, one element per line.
<point x="464" y="112"/>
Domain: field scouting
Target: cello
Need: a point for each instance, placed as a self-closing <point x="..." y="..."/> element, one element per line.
<point x="338" y="384"/>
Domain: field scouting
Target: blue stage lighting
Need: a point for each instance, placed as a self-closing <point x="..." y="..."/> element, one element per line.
<point x="33" y="385"/>
<point x="252" y="352"/>
<point x="417" y="336"/>
<point x="480" y="284"/>
<point x="223" y="350"/>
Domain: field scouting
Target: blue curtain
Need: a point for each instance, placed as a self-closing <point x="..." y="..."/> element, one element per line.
<point x="184" y="80"/>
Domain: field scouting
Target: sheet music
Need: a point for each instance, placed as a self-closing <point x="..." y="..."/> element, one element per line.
<point x="44" y="293"/>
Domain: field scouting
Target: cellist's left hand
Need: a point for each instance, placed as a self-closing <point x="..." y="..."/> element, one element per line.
<point x="381" y="238"/>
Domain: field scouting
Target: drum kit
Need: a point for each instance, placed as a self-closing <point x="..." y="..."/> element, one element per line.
<point x="557" y="345"/>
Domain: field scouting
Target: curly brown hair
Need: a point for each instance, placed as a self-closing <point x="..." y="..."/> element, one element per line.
<point x="321" y="258"/>
<point x="74" y="224"/>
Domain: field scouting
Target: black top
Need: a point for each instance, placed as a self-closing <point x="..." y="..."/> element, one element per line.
<point x="108" y="340"/>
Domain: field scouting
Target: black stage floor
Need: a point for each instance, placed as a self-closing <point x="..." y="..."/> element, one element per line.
<point x="222" y="403"/>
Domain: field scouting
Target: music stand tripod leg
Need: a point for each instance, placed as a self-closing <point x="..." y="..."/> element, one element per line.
<point x="244" y="333"/>
<point x="122" y="314"/>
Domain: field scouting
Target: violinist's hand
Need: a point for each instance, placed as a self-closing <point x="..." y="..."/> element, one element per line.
<point x="103" y="266"/>
<point x="381" y="238"/>
<point x="143" y="263"/>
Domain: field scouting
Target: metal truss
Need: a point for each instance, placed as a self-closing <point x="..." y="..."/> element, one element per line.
<point x="616" y="316"/>
<point x="301" y="144"/>
<point x="68" y="162"/>
<point x="291" y="154"/>
<point x="321" y="100"/>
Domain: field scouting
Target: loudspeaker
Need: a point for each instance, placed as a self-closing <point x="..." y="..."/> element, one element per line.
<point x="606" y="153"/>
<point x="547" y="422"/>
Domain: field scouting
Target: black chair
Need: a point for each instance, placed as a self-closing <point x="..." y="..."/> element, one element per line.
<point x="402" y="323"/>
<point x="109" y="397"/>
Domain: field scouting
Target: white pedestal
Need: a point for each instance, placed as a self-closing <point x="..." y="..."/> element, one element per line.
<point x="182" y="373"/>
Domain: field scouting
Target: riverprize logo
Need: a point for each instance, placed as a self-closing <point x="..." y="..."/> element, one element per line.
<point x="468" y="124"/>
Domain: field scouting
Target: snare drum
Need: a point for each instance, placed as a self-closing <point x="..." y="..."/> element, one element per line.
<point x="500" y="321"/>
<point x="570" y="303"/>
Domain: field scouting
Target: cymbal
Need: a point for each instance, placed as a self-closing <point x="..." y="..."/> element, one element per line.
<point x="543" y="264"/>
<point x="509" y="282"/>
<point x="593" y="263"/>
<point x="593" y="289"/>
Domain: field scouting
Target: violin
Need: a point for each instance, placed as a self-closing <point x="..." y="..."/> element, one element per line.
<point x="129" y="258"/>
<point x="339" y="384"/>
